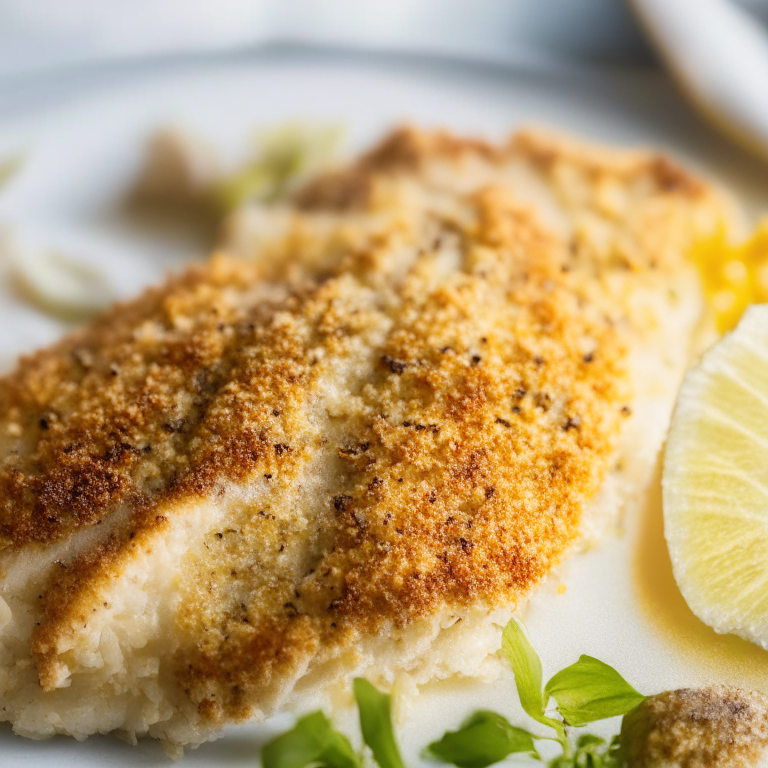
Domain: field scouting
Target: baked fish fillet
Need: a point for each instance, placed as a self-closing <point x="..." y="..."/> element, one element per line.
<point x="347" y="451"/>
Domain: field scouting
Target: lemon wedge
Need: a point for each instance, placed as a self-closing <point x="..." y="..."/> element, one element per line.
<point x="715" y="483"/>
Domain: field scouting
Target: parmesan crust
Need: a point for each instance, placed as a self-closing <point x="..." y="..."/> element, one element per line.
<point x="388" y="417"/>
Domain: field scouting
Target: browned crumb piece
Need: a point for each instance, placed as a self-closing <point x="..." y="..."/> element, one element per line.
<point x="717" y="727"/>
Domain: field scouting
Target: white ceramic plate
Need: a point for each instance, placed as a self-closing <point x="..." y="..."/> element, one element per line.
<point x="621" y="603"/>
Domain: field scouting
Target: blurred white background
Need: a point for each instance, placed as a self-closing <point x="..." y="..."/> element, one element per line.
<point x="44" y="35"/>
<point x="43" y="41"/>
<point x="39" y="35"/>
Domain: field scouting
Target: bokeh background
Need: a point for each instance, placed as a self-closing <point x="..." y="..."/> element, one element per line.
<point x="44" y="36"/>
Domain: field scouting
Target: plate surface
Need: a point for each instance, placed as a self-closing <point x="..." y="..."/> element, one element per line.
<point x="621" y="604"/>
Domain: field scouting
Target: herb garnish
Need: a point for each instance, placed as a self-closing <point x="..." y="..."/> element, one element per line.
<point x="584" y="692"/>
<point x="376" y="724"/>
<point x="590" y="690"/>
<point x="485" y="738"/>
<point x="526" y="665"/>
<point x="313" y="740"/>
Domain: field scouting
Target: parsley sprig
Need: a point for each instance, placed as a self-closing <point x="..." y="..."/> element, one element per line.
<point x="584" y="692"/>
<point x="314" y="741"/>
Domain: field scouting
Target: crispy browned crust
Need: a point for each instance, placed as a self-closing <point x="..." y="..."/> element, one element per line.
<point x="408" y="150"/>
<point x="715" y="727"/>
<point x="487" y="415"/>
<point x="471" y="494"/>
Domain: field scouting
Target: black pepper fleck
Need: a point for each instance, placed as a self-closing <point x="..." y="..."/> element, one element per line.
<point x="573" y="422"/>
<point x="396" y="366"/>
<point x="342" y="503"/>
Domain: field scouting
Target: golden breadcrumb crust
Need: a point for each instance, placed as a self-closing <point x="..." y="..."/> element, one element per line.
<point x="481" y="394"/>
<point x="409" y="151"/>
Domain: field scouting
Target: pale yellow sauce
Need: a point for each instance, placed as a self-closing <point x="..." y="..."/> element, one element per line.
<point x="720" y="658"/>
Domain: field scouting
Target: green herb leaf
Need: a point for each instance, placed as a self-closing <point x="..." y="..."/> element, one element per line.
<point x="312" y="741"/>
<point x="527" y="668"/>
<point x="9" y="167"/>
<point x="611" y="759"/>
<point x="589" y="741"/>
<point x="590" y="690"/>
<point x="376" y="724"/>
<point x="285" y="154"/>
<point x="483" y="739"/>
<point x="591" y="752"/>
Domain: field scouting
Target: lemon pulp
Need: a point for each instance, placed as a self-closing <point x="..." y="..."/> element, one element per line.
<point x="715" y="483"/>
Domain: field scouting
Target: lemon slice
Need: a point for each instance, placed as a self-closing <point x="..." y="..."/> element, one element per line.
<point x="716" y="483"/>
